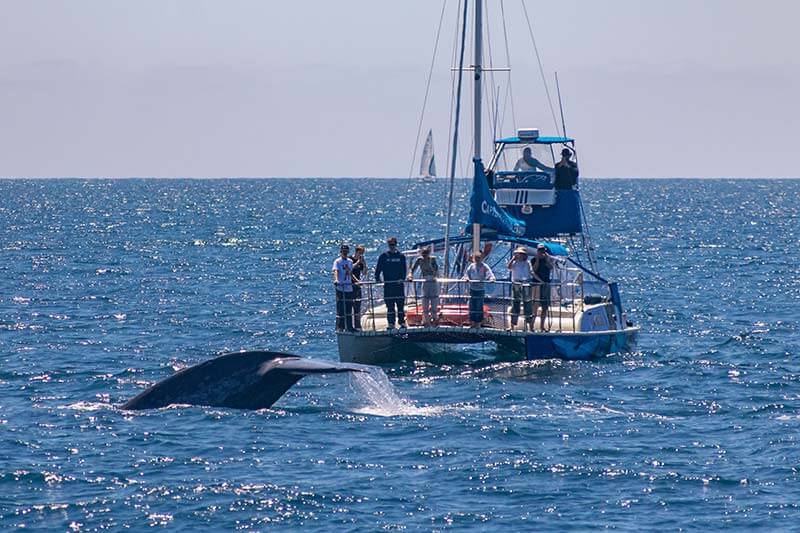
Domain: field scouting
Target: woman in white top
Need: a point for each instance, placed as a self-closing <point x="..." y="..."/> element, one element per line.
<point x="521" y="274"/>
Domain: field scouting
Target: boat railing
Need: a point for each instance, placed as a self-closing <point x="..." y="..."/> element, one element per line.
<point x="502" y="301"/>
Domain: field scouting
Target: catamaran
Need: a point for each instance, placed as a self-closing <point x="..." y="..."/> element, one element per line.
<point x="427" y="166"/>
<point x="523" y="201"/>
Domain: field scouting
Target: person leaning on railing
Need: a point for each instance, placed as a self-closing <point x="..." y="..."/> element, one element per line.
<point x="521" y="274"/>
<point x="429" y="269"/>
<point x="477" y="273"/>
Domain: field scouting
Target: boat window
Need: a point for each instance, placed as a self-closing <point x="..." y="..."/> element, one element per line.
<point x="521" y="157"/>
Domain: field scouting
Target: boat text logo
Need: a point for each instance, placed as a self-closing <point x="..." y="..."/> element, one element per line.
<point x="492" y="211"/>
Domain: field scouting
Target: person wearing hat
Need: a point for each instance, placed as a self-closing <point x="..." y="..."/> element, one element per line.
<point x="391" y="270"/>
<point x="429" y="269"/>
<point x="542" y="266"/>
<point x="343" y="283"/>
<point x="521" y="274"/>
<point x="477" y="273"/>
<point x="566" y="171"/>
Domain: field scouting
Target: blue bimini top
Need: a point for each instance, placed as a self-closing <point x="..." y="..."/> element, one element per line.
<point x="538" y="140"/>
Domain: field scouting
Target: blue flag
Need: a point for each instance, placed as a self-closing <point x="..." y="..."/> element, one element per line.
<point x="485" y="211"/>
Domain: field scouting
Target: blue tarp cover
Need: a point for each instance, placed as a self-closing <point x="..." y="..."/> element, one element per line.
<point x="484" y="209"/>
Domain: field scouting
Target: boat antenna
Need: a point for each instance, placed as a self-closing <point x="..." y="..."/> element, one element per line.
<point x="454" y="153"/>
<point x="560" y="107"/>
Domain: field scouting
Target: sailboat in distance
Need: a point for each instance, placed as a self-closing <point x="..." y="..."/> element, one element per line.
<point x="427" y="166"/>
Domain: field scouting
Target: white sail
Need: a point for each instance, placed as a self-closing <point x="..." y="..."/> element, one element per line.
<point x="427" y="168"/>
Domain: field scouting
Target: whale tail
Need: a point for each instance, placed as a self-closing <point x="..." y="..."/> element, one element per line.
<point x="240" y="380"/>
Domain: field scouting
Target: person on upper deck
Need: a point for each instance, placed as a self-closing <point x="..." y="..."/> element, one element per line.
<point x="528" y="162"/>
<point x="477" y="273"/>
<point x="566" y="171"/>
<point x="429" y="269"/>
<point x="391" y="270"/>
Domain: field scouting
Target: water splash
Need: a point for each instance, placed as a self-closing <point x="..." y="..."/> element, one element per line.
<point x="87" y="406"/>
<point x="382" y="399"/>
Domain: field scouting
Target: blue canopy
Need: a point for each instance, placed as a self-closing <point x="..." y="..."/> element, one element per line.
<point x="554" y="248"/>
<point x="538" y="140"/>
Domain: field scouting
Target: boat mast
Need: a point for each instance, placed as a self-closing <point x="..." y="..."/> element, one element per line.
<point x="476" y="158"/>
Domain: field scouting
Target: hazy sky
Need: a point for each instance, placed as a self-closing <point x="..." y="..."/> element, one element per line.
<point x="651" y="88"/>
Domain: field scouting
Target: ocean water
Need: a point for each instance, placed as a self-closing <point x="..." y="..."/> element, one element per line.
<point x="107" y="286"/>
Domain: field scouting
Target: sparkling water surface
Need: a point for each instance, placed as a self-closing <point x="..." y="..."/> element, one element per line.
<point x="111" y="285"/>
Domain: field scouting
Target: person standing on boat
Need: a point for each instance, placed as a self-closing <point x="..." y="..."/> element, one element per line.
<point x="359" y="274"/>
<point x="528" y="162"/>
<point x="429" y="269"/>
<point x="343" y="282"/>
<point x="391" y="270"/>
<point x="542" y="266"/>
<point x="521" y="274"/>
<point x="477" y="274"/>
<point x="566" y="171"/>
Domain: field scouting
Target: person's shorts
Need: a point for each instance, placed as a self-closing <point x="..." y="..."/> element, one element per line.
<point x="430" y="289"/>
<point x="544" y="294"/>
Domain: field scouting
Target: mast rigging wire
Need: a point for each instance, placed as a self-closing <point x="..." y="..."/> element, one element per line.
<point x="452" y="84"/>
<point x="427" y="90"/>
<point x="455" y="138"/>
<point x="508" y="62"/>
<point x="489" y="80"/>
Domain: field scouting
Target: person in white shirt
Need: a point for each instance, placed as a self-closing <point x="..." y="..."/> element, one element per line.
<point x="521" y="274"/>
<point x="477" y="274"/>
<point x="343" y="282"/>
<point x="528" y="162"/>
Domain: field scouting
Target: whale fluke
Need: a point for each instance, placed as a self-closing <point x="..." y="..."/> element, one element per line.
<point x="240" y="380"/>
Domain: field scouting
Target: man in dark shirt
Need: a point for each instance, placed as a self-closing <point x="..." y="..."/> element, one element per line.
<point x="359" y="274"/>
<point x="566" y="171"/>
<point x="542" y="266"/>
<point x="391" y="269"/>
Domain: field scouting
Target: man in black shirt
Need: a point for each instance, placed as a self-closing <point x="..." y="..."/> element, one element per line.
<point x="391" y="269"/>
<point x="566" y="171"/>
<point x="358" y="273"/>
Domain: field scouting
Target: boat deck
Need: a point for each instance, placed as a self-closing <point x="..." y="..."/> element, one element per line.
<point x="454" y="334"/>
